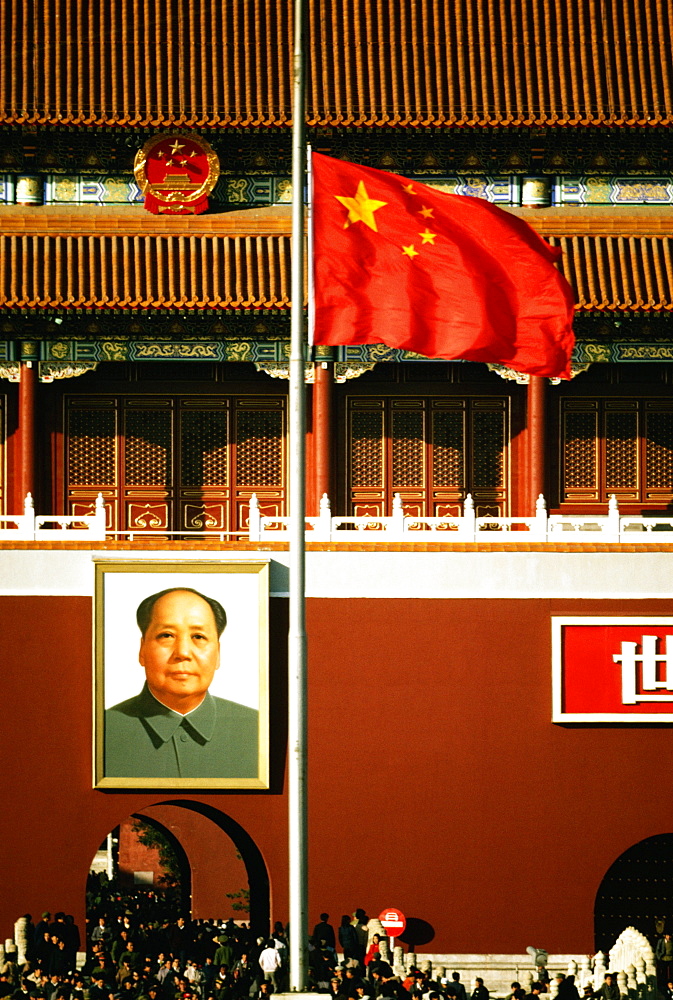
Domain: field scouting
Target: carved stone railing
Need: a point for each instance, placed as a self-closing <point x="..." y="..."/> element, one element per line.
<point x="467" y="527"/>
<point x="32" y="527"/>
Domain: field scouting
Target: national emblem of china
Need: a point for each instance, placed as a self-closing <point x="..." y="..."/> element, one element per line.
<point x="176" y="173"/>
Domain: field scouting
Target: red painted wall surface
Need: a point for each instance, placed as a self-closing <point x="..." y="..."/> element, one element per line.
<point x="136" y="857"/>
<point x="437" y="782"/>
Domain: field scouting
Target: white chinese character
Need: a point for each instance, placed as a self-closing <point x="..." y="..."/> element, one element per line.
<point x="649" y="658"/>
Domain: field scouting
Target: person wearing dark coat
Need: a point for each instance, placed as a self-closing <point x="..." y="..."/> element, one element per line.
<point x="348" y="940"/>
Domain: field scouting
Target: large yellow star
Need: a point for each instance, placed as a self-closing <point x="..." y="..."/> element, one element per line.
<point x="361" y="208"/>
<point x="428" y="237"/>
<point x="176" y="146"/>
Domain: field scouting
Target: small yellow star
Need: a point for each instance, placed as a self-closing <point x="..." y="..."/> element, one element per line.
<point x="194" y="152"/>
<point x="410" y="251"/>
<point x="160" y="154"/>
<point x="169" y="163"/>
<point x="426" y="212"/>
<point x="176" y="146"/>
<point x="428" y="237"/>
<point x="361" y="208"/>
<point x="409" y="188"/>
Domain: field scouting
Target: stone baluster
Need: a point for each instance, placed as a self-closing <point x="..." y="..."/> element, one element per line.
<point x="398" y="960"/>
<point x="254" y="522"/>
<point x="553" y="988"/>
<point x="585" y="971"/>
<point x="468" y="524"/>
<point x="572" y="968"/>
<point x="21" y="938"/>
<point x="411" y="959"/>
<point x="623" y="983"/>
<point x="599" y="969"/>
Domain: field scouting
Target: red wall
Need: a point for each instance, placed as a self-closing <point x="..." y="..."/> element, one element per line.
<point x="437" y="782"/>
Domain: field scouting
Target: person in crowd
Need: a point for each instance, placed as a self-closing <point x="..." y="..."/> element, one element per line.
<point x="270" y="962"/>
<point x="324" y="931"/>
<point x="609" y="989"/>
<point x="479" y="992"/>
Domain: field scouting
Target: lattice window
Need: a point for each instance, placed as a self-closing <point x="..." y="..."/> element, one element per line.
<point x="204" y="448"/>
<point x="488" y="449"/>
<point x="259" y="448"/>
<point x="407" y="448"/>
<point x="659" y="451"/>
<point x="579" y="451"/>
<point x="621" y="450"/>
<point x="367" y="448"/>
<point x="448" y="454"/>
<point x="148" y="447"/>
<point x="91" y="437"/>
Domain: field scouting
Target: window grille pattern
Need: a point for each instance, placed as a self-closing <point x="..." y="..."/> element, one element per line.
<point x="659" y="451"/>
<point x="392" y="451"/>
<point x="204" y="448"/>
<point x="621" y="450"/>
<point x="91" y="440"/>
<point x="408" y="448"/>
<point x="489" y="441"/>
<point x="448" y="449"/>
<point x="580" y="451"/>
<point x="367" y="448"/>
<point x="621" y="446"/>
<point x="148" y="448"/>
<point x="259" y="448"/>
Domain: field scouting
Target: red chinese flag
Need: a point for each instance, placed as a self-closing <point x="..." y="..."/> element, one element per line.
<point x="399" y="263"/>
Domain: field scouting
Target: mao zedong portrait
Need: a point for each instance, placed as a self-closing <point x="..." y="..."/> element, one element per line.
<point x="175" y="728"/>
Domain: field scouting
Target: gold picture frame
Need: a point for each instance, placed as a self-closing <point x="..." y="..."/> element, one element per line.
<point x="141" y="739"/>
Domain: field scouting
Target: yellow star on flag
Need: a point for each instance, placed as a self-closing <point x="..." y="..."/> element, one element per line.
<point x="409" y="188"/>
<point x="410" y="251"/>
<point x="428" y="237"/>
<point x="426" y="212"/>
<point x="361" y="208"/>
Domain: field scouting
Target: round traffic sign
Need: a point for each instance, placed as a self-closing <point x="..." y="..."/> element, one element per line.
<point x="393" y="920"/>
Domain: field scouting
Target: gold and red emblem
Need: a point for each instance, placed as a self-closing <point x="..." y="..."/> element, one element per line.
<point x="176" y="173"/>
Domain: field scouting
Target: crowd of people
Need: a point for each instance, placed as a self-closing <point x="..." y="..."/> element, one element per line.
<point x="137" y="949"/>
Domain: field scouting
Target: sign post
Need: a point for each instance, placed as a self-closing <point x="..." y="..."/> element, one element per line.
<point x="394" y="923"/>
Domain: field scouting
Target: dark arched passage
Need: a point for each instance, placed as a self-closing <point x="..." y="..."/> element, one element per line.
<point x="258" y="876"/>
<point x="636" y="889"/>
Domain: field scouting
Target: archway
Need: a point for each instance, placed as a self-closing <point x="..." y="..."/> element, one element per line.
<point x="635" y="892"/>
<point x="217" y="871"/>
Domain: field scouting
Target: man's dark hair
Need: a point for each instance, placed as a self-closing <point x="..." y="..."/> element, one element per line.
<point x="146" y="607"/>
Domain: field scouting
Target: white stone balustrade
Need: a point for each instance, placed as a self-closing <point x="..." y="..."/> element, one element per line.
<point x="32" y="527"/>
<point x="400" y="527"/>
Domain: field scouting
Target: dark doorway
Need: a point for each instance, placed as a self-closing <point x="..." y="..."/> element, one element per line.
<point x="635" y="892"/>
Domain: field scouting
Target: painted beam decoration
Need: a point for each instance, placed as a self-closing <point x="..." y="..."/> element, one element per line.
<point x="176" y="173"/>
<point x="612" y="670"/>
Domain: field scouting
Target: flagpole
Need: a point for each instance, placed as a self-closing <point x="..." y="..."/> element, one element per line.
<point x="297" y="685"/>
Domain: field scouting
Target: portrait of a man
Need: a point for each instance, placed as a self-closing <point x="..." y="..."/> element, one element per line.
<point x="174" y="729"/>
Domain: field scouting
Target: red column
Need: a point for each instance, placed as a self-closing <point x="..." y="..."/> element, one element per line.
<point x="27" y="386"/>
<point x="323" y="391"/>
<point x="536" y="440"/>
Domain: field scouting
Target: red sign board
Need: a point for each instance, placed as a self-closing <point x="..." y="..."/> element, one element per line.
<point x="393" y="920"/>
<point x="612" y="669"/>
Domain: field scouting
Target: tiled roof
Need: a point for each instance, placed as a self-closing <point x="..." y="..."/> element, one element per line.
<point x="219" y="63"/>
<point x="129" y="259"/>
